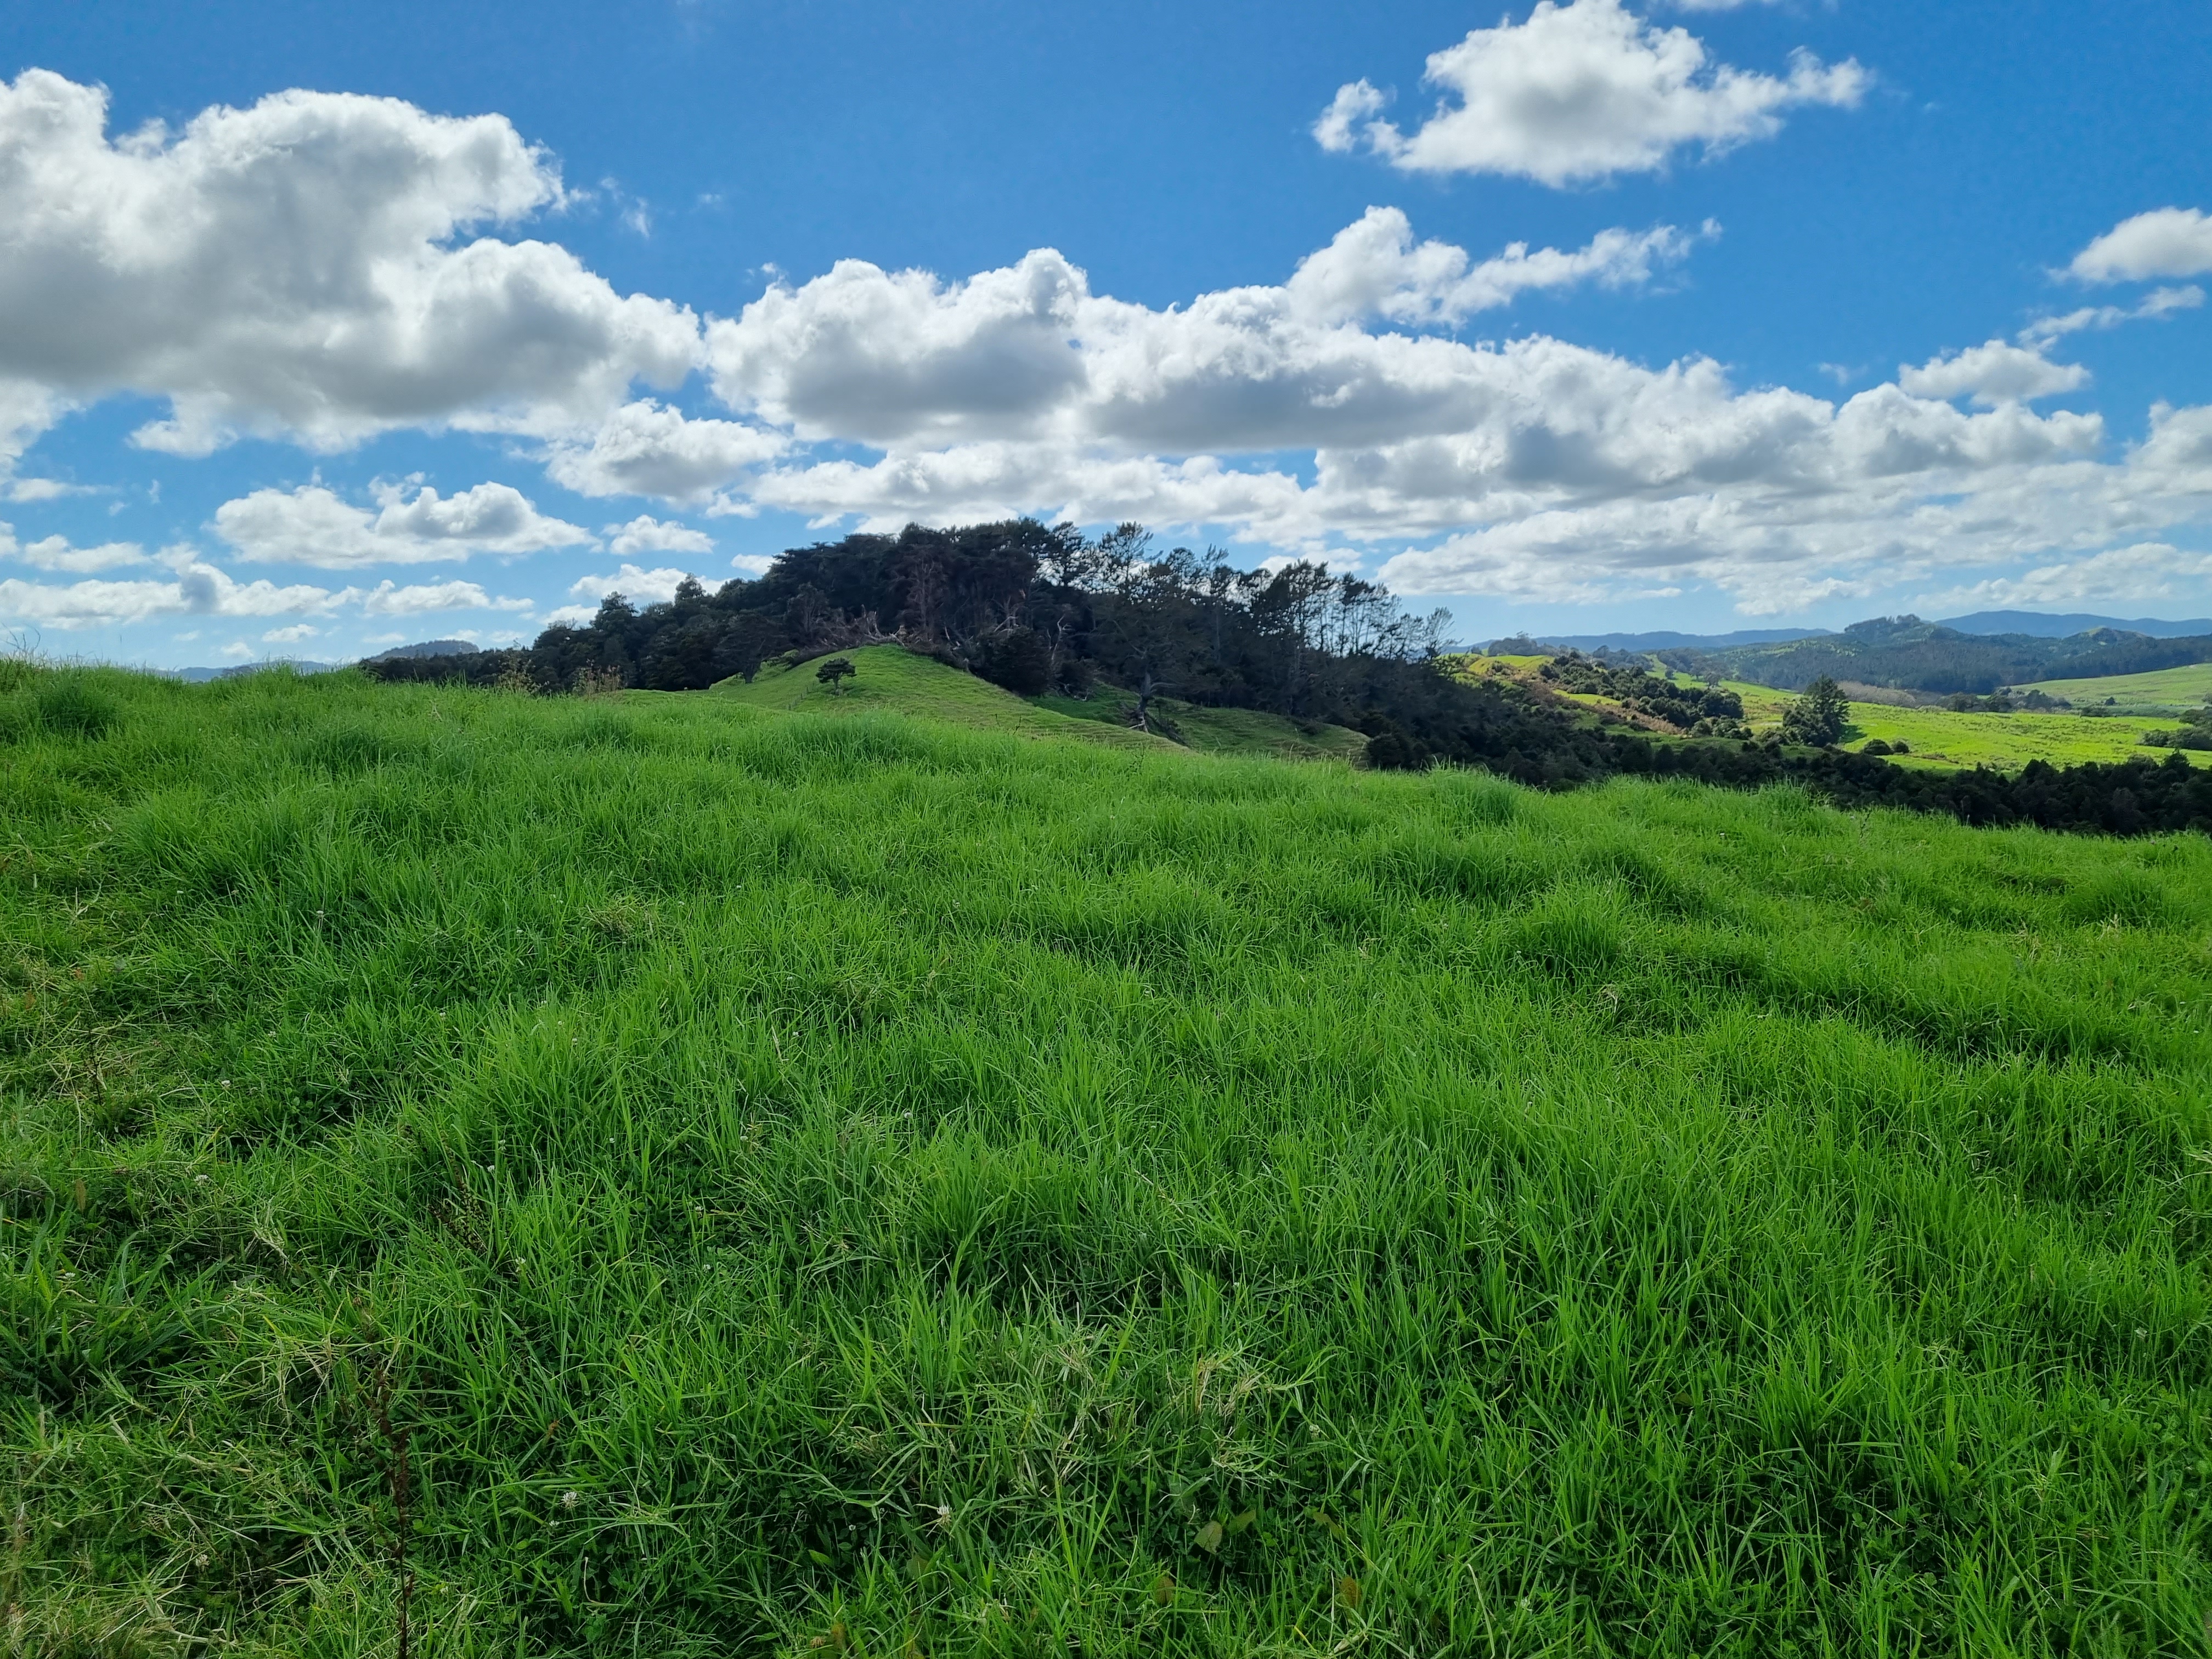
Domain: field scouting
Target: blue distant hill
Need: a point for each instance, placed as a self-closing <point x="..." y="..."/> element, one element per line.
<point x="2040" y="626"/>
<point x="1665" y="640"/>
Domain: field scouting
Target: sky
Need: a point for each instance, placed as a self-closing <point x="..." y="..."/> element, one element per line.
<point x="324" y="328"/>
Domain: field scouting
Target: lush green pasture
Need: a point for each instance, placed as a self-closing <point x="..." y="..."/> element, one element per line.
<point x="2167" y="689"/>
<point x="1942" y="738"/>
<point x="2005" y="741"/>
<point x="850" y="1183"/>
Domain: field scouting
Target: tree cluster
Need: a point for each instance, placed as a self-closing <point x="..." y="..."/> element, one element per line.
<point x="1707" y="711"/>
<point x="1819" y="718"/>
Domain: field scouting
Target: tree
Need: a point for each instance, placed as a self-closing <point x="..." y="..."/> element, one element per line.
<point x="1817" y="718"/>
<point x="834" y="672"/>
<point x="1018" y="659"/>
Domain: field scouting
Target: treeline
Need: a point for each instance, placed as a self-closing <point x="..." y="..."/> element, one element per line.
<point x="1039" y="609"/>
<point x="1029" y="607"/>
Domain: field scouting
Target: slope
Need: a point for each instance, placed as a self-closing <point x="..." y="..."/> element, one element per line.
<point x="888" y="677"/>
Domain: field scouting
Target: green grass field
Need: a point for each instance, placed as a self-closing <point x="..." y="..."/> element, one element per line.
<point x="2167" y="691"/>
<point x="852" y="1183"/>
<point x="2006" y="742"/>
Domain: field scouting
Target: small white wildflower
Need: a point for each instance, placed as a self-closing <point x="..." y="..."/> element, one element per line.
<point x="570" y="1499"/>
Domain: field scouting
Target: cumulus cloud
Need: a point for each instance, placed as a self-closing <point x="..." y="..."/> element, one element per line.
<point x="637" y="586"/>
<point x="56" y="553"/>
<point x="903" y="360"/>
<point x="388" y="598"/>
<point x="2144" y="573"/>
<point x="2165" y="242"/>
<point x="198" y="589"/>
<point x="646" y="449"/>
<point x="1374" y="268"/>
<point x="305" y="267"/>
<point x="646" y="534"/>
<point x="2157" y="305"/>
<point x="314" y="525"/>
<point x="1547" y="469"/>
<point x="1581" y="92"/>
<point x="1991" y="374"/>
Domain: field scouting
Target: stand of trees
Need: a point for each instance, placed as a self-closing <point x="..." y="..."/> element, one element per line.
<point x="1036" y="608"/>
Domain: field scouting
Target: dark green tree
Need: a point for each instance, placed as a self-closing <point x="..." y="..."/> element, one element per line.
<point x="1817" y="719"/>
<point x="834" y="672"/>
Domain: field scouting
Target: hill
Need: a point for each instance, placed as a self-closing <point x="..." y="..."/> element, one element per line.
<point x="2165" y="691"/>
<point x="1663" y="640"/>
<point x="843" y="1181"/>
<point x="891" y="677"/>
<point x="2036" y="624"/>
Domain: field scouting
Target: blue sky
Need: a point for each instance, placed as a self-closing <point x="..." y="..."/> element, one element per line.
<point x="411" y="321"/>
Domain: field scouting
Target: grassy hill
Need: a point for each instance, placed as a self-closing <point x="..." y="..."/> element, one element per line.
<point x="888" y="677"/>
<point x="2165" y="691"/>
<point x="839" y="1181"/>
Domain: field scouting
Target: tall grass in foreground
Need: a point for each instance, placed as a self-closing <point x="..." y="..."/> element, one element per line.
<point x="808" y="1185"/>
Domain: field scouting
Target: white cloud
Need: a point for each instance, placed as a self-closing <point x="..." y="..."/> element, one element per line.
<point x="55" y="553"/>
<point x="1581" y="92"/>
<point x="645" y="534"/>
<point x="1373" y="268"/>
<point x="638" y="587"/>
<point x="41" y="490"/>
<point x="901" y="360"/>
<point x="387" y="599"/>
<point x="751" y="564"/>
<point x="303" y="268"/>
<point x="238" y="650"/>
<point x="2157" y="305"/>
<point x="2165" y="242"/>
<point x="292" y="635"/>
<point x="201" y="589"/>
<point x="313" y="525"/>
<point x="645" y="449"/>
<point x="2144" y="573"/>
<point x="1991" y="374"/>
<point x="198" y="590"/>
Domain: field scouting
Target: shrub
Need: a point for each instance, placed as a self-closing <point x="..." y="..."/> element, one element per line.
<point x="834" y="672"/>
<point x="1017" y="659"/>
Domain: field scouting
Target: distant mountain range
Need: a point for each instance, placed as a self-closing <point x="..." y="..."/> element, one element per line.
<point x="302" y="665"/>
<point x="1665" y="640"/>
<point x="2037" y="625"/>
<point x="1905" y="654"/>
